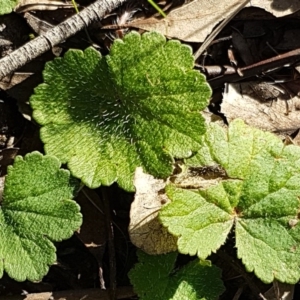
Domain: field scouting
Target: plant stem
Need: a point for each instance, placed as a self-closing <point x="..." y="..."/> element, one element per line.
<point x="75" y="6"/>
<point x="157" y="8"/>
<point x="110" y="242"/>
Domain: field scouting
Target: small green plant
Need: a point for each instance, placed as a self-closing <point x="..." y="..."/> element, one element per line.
<point x="35" y="211"/>
<point x="154" y="278"/>
<point x="140" y="107"/>
<point x="6" y="6"/>
<point x="255" y="187"/>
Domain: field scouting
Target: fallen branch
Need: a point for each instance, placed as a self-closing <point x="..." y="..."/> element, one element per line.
<point x="56" y="35"/>
<point x="259" y="68"/>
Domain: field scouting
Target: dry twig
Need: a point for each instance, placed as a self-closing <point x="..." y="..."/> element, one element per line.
<point x="56" y="35"/>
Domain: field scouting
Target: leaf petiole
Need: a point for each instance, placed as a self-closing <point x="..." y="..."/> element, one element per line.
<point x="157" y="8"/>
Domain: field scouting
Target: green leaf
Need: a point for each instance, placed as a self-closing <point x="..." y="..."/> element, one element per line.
<point x="154" y="277"/>
<point x="254" y="184"/>
<point x="202" y="226"/>
<point x="139" y="106"/>
<point x="35" y="211"/>
<point x="6" y="6"/>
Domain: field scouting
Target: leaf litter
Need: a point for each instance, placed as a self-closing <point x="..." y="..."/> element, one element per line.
<point x="189" y="23"/>
<point x="145" y="230"/>
<point x="280" y="116"/>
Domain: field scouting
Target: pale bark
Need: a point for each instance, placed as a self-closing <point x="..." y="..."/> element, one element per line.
<point x="124" y="292"/>
<point x="56" y="35"/>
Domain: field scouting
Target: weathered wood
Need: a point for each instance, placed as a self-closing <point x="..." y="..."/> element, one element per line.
<point x="56" y="35"/>
<point x="88" y="294"/>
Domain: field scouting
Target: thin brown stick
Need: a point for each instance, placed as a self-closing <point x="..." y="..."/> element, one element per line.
<point x="56" y="35"/>
<point x="110" y="242"/>
<point x="259" y="68"/>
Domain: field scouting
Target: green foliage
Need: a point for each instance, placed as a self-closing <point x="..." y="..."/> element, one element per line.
<point x="157" y="8"/>
<point x="143" y="114"/>
<point x="154" y="278"/>
<point x="257" y="190"/>
<point x="35" y="211"/>
<point x="6" y="6"/>
<point x="139" y="106"/>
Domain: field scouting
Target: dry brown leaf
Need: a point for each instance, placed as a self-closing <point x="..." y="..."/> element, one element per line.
<point x="29" y="5"/>
<point x="145" y="230"/>
<point x="122" y="292"/>
<point x="241" y="102"/>
<point x="278" y="8"/>
<point x="192" y="22"/>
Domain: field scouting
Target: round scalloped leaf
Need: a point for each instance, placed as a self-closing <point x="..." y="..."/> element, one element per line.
<point x="194" y="220"/>
<point x="254" y="184"/>
<point x="154" y="278"/>
<point x="139" y="106"/>
<point x="35" y="211"/>
<point x="6" y="6"/>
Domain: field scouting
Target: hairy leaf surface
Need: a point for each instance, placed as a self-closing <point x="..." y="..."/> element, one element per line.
<point x="36" y="209"/>
<point x="254" y="185"/>
<point x="139" y="106"/>
<point x="154" y="278"/>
